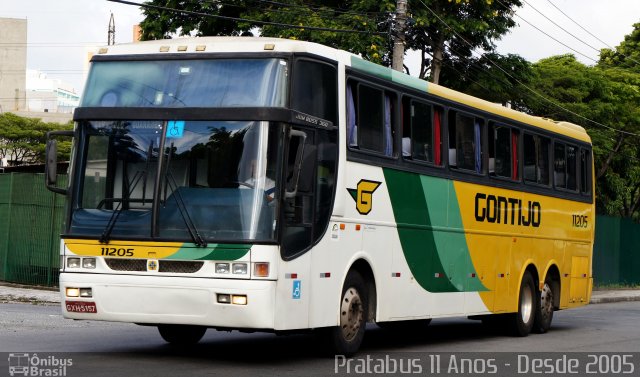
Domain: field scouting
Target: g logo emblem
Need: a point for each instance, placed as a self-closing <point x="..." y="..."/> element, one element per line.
<point x="363" y="195"/>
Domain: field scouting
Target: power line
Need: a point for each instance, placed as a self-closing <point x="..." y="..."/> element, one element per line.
<point x="547" y="34"/>
<point x="563" y="29"/>
<point x="526" y="86"/>
<point x="591" y="34"/>
<point x="277" y="24"/>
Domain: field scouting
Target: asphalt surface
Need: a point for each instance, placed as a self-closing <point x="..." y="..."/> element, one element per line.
<point x="606" y="333"/>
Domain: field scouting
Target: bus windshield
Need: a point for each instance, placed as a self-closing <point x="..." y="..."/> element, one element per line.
<point x="216" y="180"/>
<point x="187" y="83"/>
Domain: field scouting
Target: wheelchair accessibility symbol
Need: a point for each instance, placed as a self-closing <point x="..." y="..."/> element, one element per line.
<point x="296" y="290"/>
<point x="175" y="129"/>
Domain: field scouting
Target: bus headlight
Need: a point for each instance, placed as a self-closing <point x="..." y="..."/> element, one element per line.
<point x="240" y="268"/>
<point x="72" y="292"/>
<point x="89" y="263"/>
<point x="222" y="268"/>
<point x="73" y="262"/>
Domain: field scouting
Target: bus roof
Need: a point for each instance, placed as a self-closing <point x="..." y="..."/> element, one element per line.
<point x="260" y="44"/>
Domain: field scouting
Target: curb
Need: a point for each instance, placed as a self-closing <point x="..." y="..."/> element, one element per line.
<point x="608" y="300"/>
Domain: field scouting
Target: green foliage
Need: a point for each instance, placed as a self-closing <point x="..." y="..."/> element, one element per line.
<point x="611" y="97"/>
<point x="367" y="16"/>
<point x="626" y="55"/>
<point x="477" y="22"/>
<point x="481" y="78"/>
<point x="22" y="140"/>
<point x="472" y="25"/>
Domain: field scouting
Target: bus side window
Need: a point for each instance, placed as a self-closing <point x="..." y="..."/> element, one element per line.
<point x="572" y="168"/>
<point x="424" y="143"/>
<point x="585" y="171"/>
<point x="314" y="89"/>
<point x="503" y="151"/>
<point x="369" y="119"/>
<point x="565" y="166"/>
<point x="559" y="165"/>
<point x="536" y="159"/>
<point x="465" y="142"/>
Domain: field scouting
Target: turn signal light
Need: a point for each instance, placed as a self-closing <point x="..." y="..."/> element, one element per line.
<point x="261" y="269"/>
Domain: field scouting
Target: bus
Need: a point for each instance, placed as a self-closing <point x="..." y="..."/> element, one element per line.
<point x="284" y="186"/>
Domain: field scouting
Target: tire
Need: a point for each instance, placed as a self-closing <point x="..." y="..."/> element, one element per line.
<point x="521" y="322"/>
<point x="346" y="338"/>
<point x="544" y="313"/>
<point x="181" y="335"/>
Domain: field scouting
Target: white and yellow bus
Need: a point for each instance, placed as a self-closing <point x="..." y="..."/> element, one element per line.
<point x="278" y="185"/>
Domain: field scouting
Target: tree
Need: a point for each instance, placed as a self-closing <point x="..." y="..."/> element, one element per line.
<point x="446" y="30"/>
<point x="366" y="20"/>
<point x="22" y="140"/>
<point x="475" y="24"/>
<point x="626" y="55"/>
<point x="493" y="77"/>
<point x="609" y="97"/>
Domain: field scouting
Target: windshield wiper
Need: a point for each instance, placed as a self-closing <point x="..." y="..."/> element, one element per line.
<point x="104" y="238"/>
<point x="139" y="176"/>
<point x="184" y="212"/>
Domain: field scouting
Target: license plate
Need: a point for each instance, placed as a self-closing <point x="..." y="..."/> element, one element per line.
<point x="81" y="306"/>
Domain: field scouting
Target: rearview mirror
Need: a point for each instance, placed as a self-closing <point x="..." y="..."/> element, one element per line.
<point x="51" y="161"/>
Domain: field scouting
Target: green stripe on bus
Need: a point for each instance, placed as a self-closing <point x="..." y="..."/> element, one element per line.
<point x="415" y="231"/>
<point x="451" y="243"/>
<point x="388" y="74"/>
<point x="430" y="231"/>
<point x="211" y="252"/>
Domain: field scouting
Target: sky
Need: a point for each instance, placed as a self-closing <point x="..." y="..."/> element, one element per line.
<point x="61" y="32"/>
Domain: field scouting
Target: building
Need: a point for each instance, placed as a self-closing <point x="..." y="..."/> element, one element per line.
<point x="49" y="95"/>
<point x="13" y="64"/>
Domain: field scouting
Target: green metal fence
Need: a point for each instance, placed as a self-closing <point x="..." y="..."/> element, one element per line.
<point x="616" y="253"/>
<point x="30" y="223"/>
<point x="31" y="220"/>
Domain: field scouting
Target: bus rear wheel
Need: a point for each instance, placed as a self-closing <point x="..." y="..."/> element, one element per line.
<point x="181" y="335"/>
<point x="522" y="321"/>
<point x="544" y="314"/>
<point x="346" y="338"/>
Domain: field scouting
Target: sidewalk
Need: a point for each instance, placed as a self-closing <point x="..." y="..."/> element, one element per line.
<point x="13" y="293"/>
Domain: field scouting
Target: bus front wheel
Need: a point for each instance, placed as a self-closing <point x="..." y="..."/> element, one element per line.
<point x="522" y="321"/>
<point x="346" y="338"/>
<point x="181" y="334"/>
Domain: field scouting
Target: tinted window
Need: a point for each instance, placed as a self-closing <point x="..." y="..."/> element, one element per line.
<point x="315" y="89"/>
<point x="370" y="119"/>
<point x="421" y="132"/>
<point x="465" y="147"/>
<point x="503" y="151"/>
<point x="536" y="159"/>
<point x="585" y="171"/>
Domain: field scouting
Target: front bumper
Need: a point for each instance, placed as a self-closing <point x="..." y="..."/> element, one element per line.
<point x="173" y="300"/>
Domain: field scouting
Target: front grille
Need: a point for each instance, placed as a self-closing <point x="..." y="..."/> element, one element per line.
<point x="140" y="265"/>
<point x="181" y="267"/>
<point x="126" y="264"/>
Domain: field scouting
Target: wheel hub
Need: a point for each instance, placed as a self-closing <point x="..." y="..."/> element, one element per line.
<point x="546" y="301"/>
<point x="351" y="314"/>
<point x="526" y="306"/>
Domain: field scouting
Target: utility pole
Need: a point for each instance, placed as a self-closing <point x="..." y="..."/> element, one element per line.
<point x="111" y="34"/>
<point x="398" y="36"/>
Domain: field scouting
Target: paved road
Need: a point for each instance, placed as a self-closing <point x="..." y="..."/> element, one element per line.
<point x="112" y="349"/>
